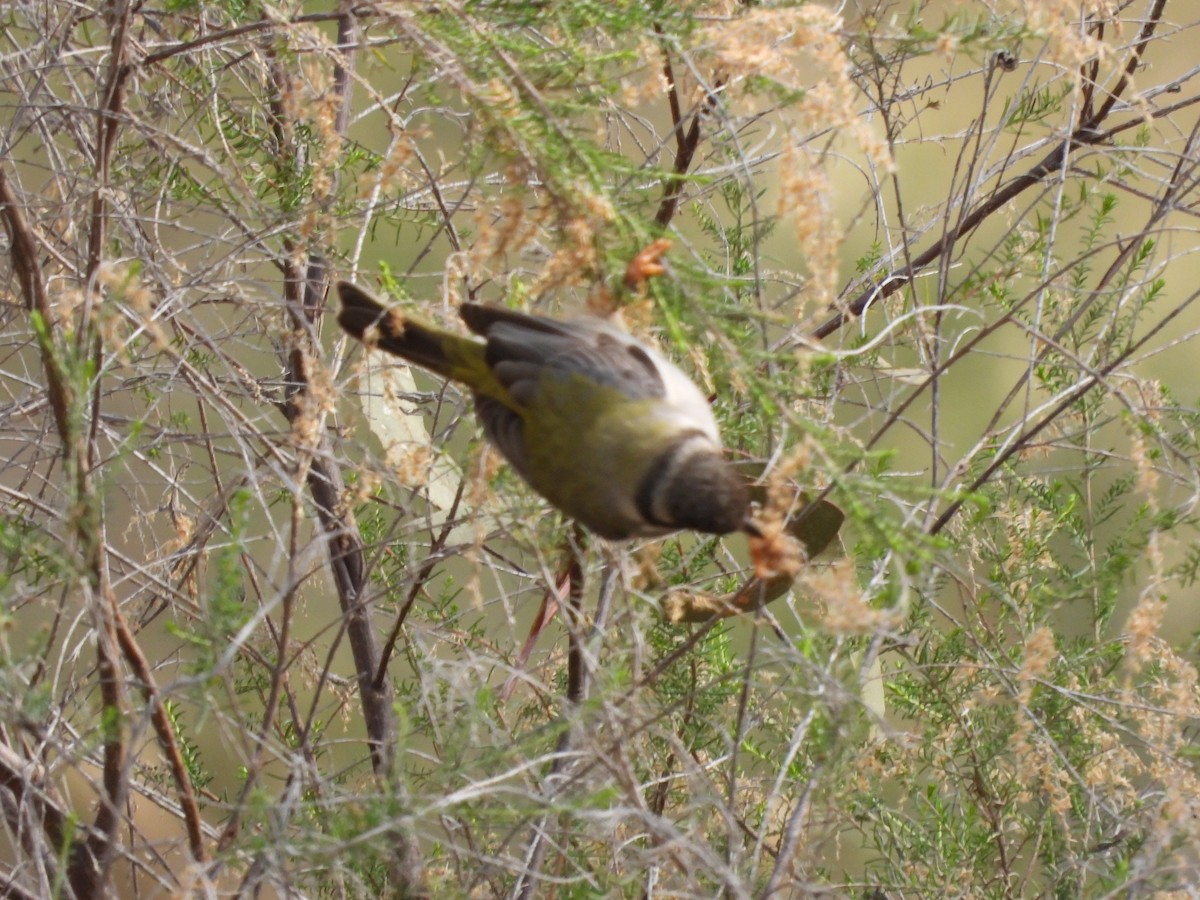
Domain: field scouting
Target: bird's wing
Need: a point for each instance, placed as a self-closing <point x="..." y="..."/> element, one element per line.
<point x="521" y="350"/>
<point x="505" y="428"/>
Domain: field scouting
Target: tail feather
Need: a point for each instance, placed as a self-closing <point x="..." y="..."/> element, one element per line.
<point x="391" y="331"/>
<point x="359" y="310"/>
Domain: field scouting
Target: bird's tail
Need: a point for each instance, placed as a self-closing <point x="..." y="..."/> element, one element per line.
<point x="394" y="333"/>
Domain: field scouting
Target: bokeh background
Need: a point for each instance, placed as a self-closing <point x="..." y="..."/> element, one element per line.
<point x="276" y="622"/>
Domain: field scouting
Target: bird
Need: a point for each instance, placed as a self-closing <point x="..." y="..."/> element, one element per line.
<point x="603" y="426"/>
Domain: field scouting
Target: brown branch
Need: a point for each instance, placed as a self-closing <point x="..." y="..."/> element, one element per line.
<point x="89" y="868"/>
<point x="578" y="685"/>
<point x="230" y="33"/>
<point x="327" y="487"/>
<point x="163" y="729"/>
<point x="1135" y="60"/>
<point x="304" y="296"/>
<point x="89" y="860"/>
<point x="1088" y="133"/>
<point x="24" y="257"/>
<point x="577" y="663"/>
<point x="686" y="142"/>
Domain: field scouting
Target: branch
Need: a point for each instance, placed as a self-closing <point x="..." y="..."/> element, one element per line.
<point x="1088" y="133"/>
<point x="686" y="142"/>
<point x="305" y="287"/>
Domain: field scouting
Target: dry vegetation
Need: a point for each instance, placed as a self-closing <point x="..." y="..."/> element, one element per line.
<point x="268" y="608"/>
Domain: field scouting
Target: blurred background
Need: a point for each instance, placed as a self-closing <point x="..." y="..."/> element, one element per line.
<point x="277" y="622"/>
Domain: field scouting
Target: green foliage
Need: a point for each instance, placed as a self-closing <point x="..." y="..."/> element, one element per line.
<point x="982" y="688"/>
<point x="192" y="757"/>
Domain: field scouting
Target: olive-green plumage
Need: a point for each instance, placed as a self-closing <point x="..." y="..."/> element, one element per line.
<point x="599" y="424"/>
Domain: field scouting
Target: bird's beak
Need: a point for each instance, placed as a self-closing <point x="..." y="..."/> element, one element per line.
<point x="750" y="527"/>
